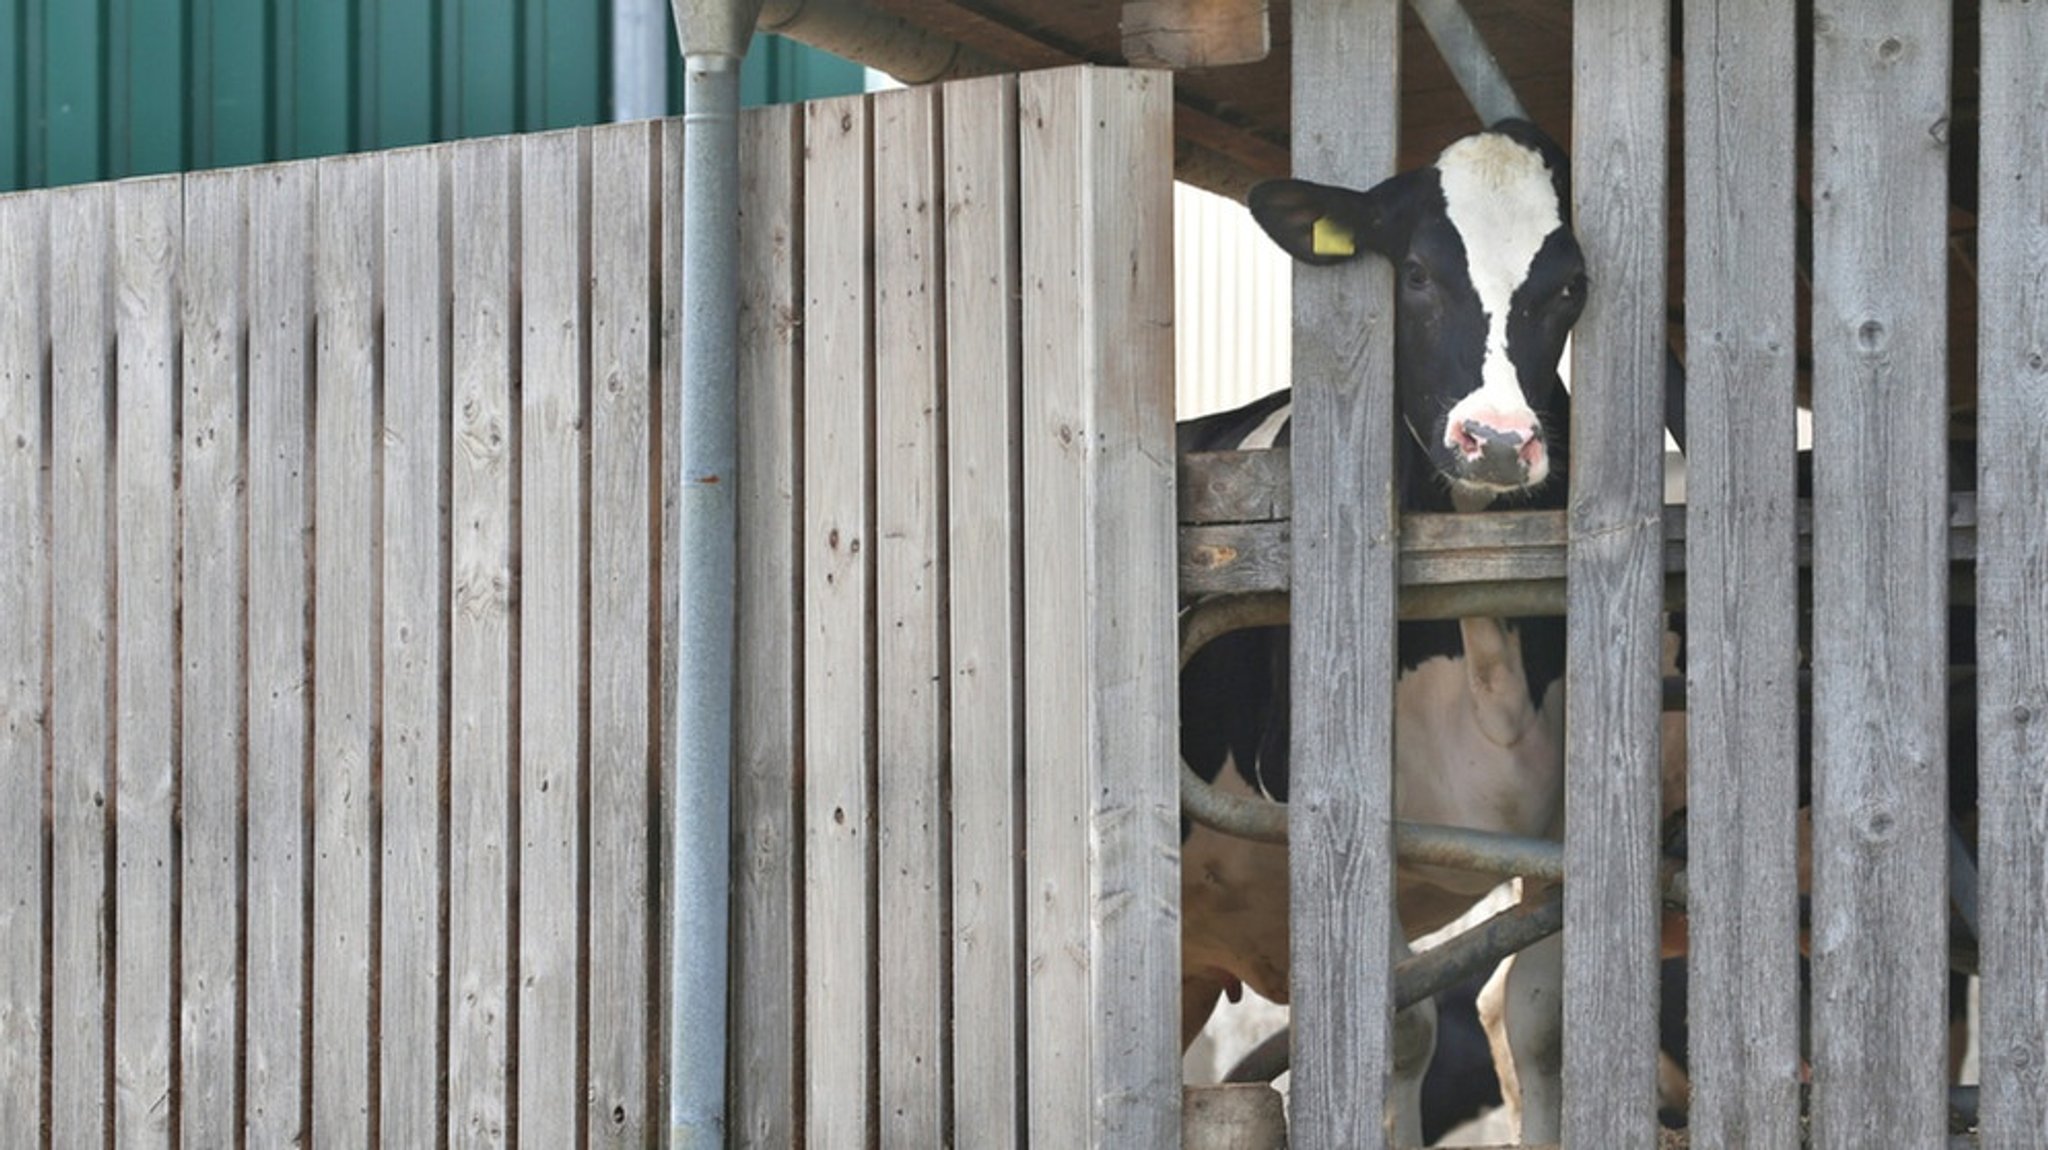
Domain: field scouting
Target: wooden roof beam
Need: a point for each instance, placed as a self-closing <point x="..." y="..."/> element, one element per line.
<point x="1195" y="33"/>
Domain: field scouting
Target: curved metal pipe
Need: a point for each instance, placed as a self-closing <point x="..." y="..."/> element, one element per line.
<point x="1417" y="844"/>
<point x="1435" y="970"/>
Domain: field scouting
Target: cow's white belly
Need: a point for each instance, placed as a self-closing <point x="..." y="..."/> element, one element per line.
<point x="1469" y="752"/>
<point x="1233" y="905"/>
<point x="1452" y="767"/>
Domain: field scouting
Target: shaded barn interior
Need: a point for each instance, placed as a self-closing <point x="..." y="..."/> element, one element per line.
<point x="1231" y="120"/>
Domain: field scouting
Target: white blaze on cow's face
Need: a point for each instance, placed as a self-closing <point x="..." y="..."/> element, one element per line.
<point x="1488" y="282"/>
<point x="1501" y="200"/>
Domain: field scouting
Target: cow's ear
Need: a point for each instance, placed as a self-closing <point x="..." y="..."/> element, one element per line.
<point x="1323" y="224"/>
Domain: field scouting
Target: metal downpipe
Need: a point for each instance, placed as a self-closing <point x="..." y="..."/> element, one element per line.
<point x="714" y="35"/>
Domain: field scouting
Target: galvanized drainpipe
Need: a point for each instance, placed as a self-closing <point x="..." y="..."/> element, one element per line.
<point x="714" y="35"/>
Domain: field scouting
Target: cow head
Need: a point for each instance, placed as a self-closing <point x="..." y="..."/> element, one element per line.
<point x="1488" y="282"/>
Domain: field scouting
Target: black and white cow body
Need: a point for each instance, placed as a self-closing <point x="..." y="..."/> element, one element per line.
<point x="1488" y="282"/>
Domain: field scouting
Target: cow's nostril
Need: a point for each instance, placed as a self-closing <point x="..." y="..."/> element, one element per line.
<point x="1495" y="440"/>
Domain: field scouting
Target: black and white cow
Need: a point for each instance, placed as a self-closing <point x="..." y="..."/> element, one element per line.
<point x="1488" y="282"/>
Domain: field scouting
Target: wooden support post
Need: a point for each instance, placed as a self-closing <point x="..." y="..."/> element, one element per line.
<point x="1340" y="813"/>
<point x="1621" y="69"/>
<point x="1740" y="542"/>
<point x="1880" y="892"/>
<point x="2012" y="620"/>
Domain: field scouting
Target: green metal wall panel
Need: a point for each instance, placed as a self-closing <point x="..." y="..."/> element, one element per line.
<point x="14" y="90"/>
<point x="100" y="89"/>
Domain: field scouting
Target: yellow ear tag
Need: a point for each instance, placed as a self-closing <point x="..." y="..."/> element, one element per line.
<point x="1330" y="238"/>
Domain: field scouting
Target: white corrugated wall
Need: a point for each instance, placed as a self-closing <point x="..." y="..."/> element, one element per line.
<point x="1232" y="300"/>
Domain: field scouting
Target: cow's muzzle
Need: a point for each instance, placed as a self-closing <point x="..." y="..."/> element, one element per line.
<point x="1504" y="454"/>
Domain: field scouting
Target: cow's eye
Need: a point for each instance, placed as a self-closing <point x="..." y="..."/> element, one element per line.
<point x="1574" y="289"/>
<point x="1414" y="276"/>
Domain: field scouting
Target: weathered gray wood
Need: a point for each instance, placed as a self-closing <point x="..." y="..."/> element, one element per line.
<point x="1240" y="553"/>
<point x="2012" y="619"/>
<point x="414" y="437"/>
<point x="1229" y="486"/>
<point x="624" y="190"/>
<point x="1346" y="83"/>
<point x="664" y="806"/>
<point x="1101" y="797"/>
<point x="212" y="720"/>
<point x="910" y="580"/>
<point x="275" y="1094"/>
<point x="839" y="719"/>
<point x="24" y="283"/>
<point x="1742" y="614"/>
<point x="984" y="541"/>
<point x="554" y="220"/>
<point x="1236" y="557"/>
<point x="81" y="678"/>
<point x="1881" y="77"/>
<point x="348" y="218"/>
<point x="484" y="178"/>
<point x="1194" y="33"/>
<point x="146" y="263"/>
<point x="1621" y="66"/>
<point x="1059" y="940"/>
<point x="766" y="871"/>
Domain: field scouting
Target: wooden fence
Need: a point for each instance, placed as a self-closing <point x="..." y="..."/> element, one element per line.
<point x="1880" y="585"/>
<point x="334" y="640"/>
<point x="334" y="646"/>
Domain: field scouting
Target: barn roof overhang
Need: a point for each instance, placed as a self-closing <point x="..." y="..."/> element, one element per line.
<point x="1229" y="58"/>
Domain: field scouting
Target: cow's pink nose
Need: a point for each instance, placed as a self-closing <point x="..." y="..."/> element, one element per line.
<point x="1498" y="451"/>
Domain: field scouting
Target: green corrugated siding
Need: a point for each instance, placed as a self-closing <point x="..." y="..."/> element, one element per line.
<point x="99" y="89"/>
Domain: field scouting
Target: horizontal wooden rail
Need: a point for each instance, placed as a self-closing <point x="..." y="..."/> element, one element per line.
<point x="1236" y="535"/>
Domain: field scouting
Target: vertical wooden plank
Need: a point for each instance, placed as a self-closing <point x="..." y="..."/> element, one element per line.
<point x="1881" y="80"/>
<point x="212" y="720"/>
<point x="24" y="587"/>
<point x="1059" y="943"/>
<point x="984" y="475"/>
<point x="146" y="230"/>
<point x="2012" y="620"/>
<point x="554" y="220"/>
<point x="624" y="187"/>
<point x="1621" y="71"/>
<point x="1742" y="624"/>
<point x="412" y="993"/>
<point x="766" y="860"/>
<point x="276" y="1097"/>
<point x="484" y="181"/>
<point x="346" y="271"/>
<point x="839" y="690"/>
<point x="671" y="351"/>
<point x="81" y="674"/>
<point x="910" y="581"/>
<point x="1097" y="215"/>
<point x="1340" y="812"/>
